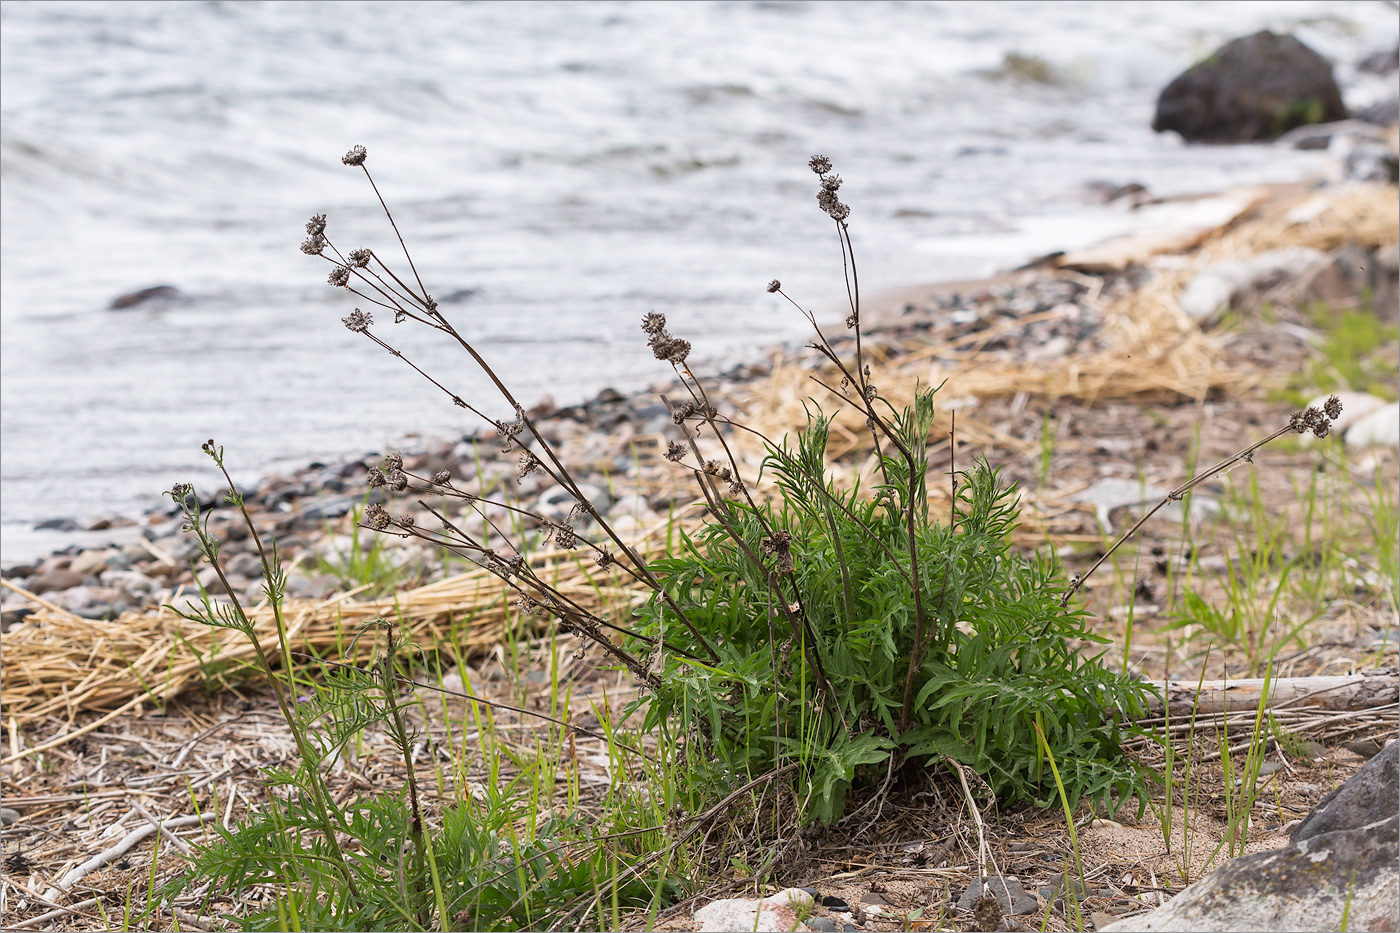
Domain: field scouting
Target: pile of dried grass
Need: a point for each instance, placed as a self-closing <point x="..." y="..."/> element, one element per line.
<point x="58" y="664"/>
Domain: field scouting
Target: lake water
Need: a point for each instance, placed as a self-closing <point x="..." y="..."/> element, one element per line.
<point x="562" y="168"/>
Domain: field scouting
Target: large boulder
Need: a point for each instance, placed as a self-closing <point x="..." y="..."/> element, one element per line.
<point x="1340" y="872"/>
<point x="1252" y="89"/>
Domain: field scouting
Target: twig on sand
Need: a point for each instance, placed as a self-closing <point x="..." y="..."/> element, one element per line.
<point x="115" y="852"/>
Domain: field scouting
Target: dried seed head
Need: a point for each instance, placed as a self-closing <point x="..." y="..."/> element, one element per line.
<point x="831" y="183"/>
<point x="529" y="463"/>
<point x="675" y="451"/>
<point x="565" y="538"/>
<point x="852" y="320"/>
<point x="1333" y="407"/>
<point x="376" y="478"/>
<point x="442" y="478"/>
<point x="1321" y="429"/>
<point x="653" y="323"/>
<point x="398" y="480"/>
<point x="736" y="487"/>
<point x="316" y="225"/>
<point x="376" y="517"/>
<point x="668" y="348"/>
<point x="819" y="164"/>
<point x="871" y="391"/>
<point x="356" y="156"/>
<point x="359" y="258"/>
<point x="525" y="605"/>
<point x="605" y="557"/>
<point x="340" y="276"/>
<point x="1295" y="422"/>
<point x="774" y="286"/>
<point x="358" y="321"/>
<point x="682" y="412"/>
<point x="839" y="212"/>
<point x="393" y="461"/>
<point x="314" y="246"/>
<point x="406" y="522"/>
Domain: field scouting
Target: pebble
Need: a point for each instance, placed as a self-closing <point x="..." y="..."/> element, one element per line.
<point x="54" y="580"/>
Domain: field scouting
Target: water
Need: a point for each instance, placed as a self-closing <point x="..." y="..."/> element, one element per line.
<point x="564" y="168"/>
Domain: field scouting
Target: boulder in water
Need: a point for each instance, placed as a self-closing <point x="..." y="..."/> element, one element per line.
<point x="1252" y="89"/>
<point x="145" y="295"/>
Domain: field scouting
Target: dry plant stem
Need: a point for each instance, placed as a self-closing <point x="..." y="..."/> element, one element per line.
<point x="323" y="811"/>
<point x="984" y="852"/>
<point x="559" y="473"/>
<point x="1245" y="454"/>
<point x="55" y="914"/>
<point x="107" y="856"/>
<point x="402" y="245"/>
<point x="797" y="621"/>
<point x="697" y="821"/>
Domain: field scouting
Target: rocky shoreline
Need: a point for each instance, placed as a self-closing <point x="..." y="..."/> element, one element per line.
<point x="613" y="444"/>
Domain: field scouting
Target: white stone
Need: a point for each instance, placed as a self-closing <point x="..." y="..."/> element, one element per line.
<point x="1381" y="427"/>
<point x="776" y="914"/>
<point x="1222" y="285"/>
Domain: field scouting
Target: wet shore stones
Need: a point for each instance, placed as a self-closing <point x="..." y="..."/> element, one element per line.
<point x="1252" y="89"/>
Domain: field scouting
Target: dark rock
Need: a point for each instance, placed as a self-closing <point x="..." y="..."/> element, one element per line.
<point x="154" y="293"/>
<point x="1252" y="89"/>
<point x="610" y="396"/>
<point x="823" y="924"/>
<point x="9" y="618"/>
<point x="1008" y="892"/>
<point x="57" y="524"/>
<point x="1382" y="62"/>
<point x="1366" y="748"/>
<point x="54" y="581"/>
<point x="18" y="570"/>
<point x="1372" y="793"/>
<point x="831" y="902"/>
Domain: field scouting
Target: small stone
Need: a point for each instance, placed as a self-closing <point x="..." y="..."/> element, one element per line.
<point x="825" y="924"/>
<point x="8" y="816"/>
<point x="53" y="581"/>
<point x="90" y="562"/>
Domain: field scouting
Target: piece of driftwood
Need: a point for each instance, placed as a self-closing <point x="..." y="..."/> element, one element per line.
<point x="1348" y="692"/>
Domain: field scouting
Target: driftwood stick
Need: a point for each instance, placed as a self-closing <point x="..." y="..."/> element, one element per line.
<point x="1348" y="692"/>
<point x="116" y="852"/>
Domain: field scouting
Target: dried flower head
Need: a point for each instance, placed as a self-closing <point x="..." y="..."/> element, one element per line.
<point x="398" y="480"/>
<point x="529" y="463"/>
<point x="359" y="258"/>
<point x="565" y="538"/>
<point x="376" y="478"/>
<point x="671" y="349"/>
<point x="819" y="164"/>
<point x="681" y="412"/>
<point x="442" y="478"/>
<point x="831" y="183"/>
<point x="393" y="461"/>
<point x="1321" y="429"/>
<point x="653" y="323"/>
<point x="774" y="286"/>
<point x="376" y="517"/>
<point x="736" y="487"/>
<point x="356" y="156"/>
<point x="852" y="320"/>
<point x="316" y="225"/>
<point x="314" y="246"/>
<point x="839" y="212"/>
<point x="180" y="492"/>
<point x="525" y="605"/>
<point x="358" y="321"/>
<point x="871" y="391"/>
<point x="406" y="522"/>
<point x="1333" y="407"/>
<point x="340" y="276"/>
<point x="605" y="557"/>
<point x="675" y="451"/>
<point x="779" y="546"/>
